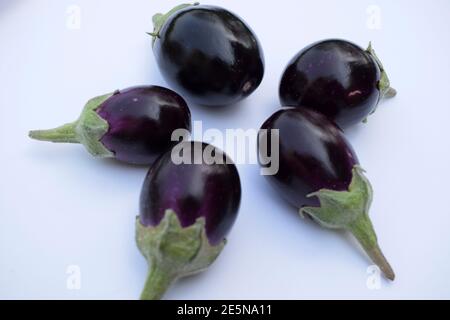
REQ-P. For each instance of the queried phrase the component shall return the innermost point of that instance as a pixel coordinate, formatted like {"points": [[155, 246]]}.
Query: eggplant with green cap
{"points": [[134, 125], [208, 54], [189, 202], [336, 78], [319, 173]]}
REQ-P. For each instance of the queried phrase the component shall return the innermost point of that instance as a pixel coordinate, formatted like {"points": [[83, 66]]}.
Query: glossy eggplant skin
{"points": [[209, 55], [313, 155], [334, 77], [141, 121], [193, 190]]}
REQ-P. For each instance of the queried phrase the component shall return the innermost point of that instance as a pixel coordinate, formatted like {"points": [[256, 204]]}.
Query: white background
{"points": [[60, 207]]}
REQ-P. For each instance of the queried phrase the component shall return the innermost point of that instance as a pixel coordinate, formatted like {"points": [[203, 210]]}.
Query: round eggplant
{"points": [[134, 125], [336, 78], [189, 202], [320, 175], [208, 54]]}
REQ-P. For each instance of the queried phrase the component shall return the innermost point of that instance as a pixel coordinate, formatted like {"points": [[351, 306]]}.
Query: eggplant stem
{"points": [[390, 93], [63, 134], [160, 19], [362, 230], [384, 84], [380, 260], [158, 282]]}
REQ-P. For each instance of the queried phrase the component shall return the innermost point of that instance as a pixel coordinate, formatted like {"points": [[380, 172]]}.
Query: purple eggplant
{"points": [[189, 202], [336, 78], [208, 54], [320, 175], [134, 125]]}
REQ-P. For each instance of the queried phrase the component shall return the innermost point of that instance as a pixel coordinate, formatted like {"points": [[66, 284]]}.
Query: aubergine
{"points": [[319, 173], [189, 203], [133, 125], [336, 78], [208, 54]]}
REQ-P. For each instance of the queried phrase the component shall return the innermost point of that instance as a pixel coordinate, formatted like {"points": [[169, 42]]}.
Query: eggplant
{"points": [[134, 125], [189, 202], [319, 173], [336, 78], [208, 54]]}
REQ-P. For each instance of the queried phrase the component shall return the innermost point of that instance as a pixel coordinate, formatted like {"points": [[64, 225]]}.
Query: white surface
{"points": [[59, 207]]}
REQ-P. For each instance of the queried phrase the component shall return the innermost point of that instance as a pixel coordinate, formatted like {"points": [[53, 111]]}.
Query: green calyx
{"points": [[349, 210], [87, 130], [384, 84], [160, 19], [173, 252]]}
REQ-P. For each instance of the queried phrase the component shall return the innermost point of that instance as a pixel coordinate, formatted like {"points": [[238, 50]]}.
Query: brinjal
{"points": [[319, 174], [336, 78], [189, 202], [134, 125], [208, 54]]}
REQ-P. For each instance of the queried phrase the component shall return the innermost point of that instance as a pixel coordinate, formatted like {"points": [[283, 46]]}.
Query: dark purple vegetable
{"points": [[134, 125], [208, 54], [336, 78], [189, 202], [319, 173]]}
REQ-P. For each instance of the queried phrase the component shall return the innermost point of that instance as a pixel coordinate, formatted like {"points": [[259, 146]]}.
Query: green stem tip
{"points": [[390, 93], [384, 84], [63, 134], [160, 19], [348, 210], [158, 282], [87, 130], [362, 229]]}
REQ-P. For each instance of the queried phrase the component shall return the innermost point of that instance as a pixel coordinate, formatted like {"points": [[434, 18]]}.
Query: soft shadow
{"points": [[6, 5], [341, 235], [66, 153], [221, 110], [268, 191], [353, 131], [113, 163]]}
